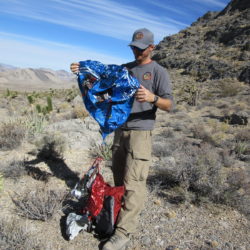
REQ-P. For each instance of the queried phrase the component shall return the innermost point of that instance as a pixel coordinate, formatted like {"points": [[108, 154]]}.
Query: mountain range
{"points": [[29, 78]]}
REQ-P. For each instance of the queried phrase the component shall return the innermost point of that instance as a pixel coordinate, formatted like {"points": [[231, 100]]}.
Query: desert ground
{"points": [[198, 186]]}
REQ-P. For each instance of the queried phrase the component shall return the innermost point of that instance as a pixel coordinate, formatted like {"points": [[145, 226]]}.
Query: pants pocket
{"points": [[141, 145]]}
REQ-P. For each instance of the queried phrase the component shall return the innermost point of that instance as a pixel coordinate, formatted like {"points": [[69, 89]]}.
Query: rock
{"points": [[146, 241], [78, 101], [170, 214], [213, 243], [235, 119], [228, 246], [172, 248], [224, 224], [157, 202], [245, 75]]}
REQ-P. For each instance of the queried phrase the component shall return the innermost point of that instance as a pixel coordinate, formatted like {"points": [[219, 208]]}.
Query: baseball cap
{"points": [[142, 38]]}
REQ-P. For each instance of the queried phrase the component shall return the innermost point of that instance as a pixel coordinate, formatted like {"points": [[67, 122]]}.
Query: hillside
{"points": [[216, 46]]}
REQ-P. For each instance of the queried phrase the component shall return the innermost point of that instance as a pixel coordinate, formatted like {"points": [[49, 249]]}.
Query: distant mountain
{"points": [[4, 67], [216, 46], [41, 78]]}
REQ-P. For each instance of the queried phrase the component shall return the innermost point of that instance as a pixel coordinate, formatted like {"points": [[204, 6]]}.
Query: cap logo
{"points": [[147, 76], [138, 36]]}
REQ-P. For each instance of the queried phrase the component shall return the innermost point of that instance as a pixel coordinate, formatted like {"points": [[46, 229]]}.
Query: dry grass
{"points": [[80, 112], [40, 204], [15, 236]]}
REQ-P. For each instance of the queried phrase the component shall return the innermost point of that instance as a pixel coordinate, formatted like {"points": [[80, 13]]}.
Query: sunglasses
{"points": [[138, 49]]}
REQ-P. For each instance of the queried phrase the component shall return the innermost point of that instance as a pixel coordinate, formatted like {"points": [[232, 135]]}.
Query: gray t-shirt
{"points": [[156, 79]]}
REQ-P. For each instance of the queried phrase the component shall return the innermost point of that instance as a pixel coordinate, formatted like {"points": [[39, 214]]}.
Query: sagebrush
{"points": [[40, 204]]}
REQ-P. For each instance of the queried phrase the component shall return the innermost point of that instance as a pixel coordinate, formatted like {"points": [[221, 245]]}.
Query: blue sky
{"points": [[54, 33]]}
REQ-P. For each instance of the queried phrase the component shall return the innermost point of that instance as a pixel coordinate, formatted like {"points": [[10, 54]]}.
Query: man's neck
{"points": [[146, 61]]}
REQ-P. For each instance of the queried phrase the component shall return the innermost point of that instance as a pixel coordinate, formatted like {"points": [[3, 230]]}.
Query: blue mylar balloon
{"points": [[108, 93]]}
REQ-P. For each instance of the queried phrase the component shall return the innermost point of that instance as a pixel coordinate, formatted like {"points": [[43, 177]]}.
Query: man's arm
{"points": [[144, 95]]}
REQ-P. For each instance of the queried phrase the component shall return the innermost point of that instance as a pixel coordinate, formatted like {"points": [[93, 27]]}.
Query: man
{"points": [[132, 142]]}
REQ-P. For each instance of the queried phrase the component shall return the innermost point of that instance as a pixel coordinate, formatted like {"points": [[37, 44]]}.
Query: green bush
{"points": [[11, 94], [49, 104], [30, 99]]}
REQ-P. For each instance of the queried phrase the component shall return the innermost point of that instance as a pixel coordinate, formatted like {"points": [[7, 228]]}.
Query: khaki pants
{"points": [[130, 166]]}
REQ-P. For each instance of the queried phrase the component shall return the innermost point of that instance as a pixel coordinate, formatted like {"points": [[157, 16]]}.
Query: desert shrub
{"points": [[213, 132], [189, 93], [12, 134], [237, 192], [163, 148], [70, 94], [228, 87], [200, 173], [13, 169], [11, 94], [80, 112], [51, 146], [15, 236], [103, 150], [242, 134], [160, 150], [227, 158], [242, 148], [242, 141], [166, 133], [200, 132], [196, 167], [30, 99], [40, 204], [200, 169]]}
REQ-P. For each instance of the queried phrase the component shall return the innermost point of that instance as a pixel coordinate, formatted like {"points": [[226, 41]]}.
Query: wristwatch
{"points": [[156, 98]]}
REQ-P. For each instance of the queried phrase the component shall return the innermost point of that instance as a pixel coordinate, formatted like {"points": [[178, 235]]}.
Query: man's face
{"points": [[141, 55]]}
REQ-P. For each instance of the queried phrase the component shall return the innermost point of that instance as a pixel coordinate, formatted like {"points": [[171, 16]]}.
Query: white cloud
{"points": [[166, 7], [26, 51], [104, 17], [211, 2]]}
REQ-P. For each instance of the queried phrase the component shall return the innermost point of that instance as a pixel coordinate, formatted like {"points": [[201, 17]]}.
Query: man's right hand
{"points": [[74, 67]]}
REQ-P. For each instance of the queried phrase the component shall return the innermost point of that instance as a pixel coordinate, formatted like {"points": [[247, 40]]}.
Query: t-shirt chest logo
{"points": [[147, 76]]}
